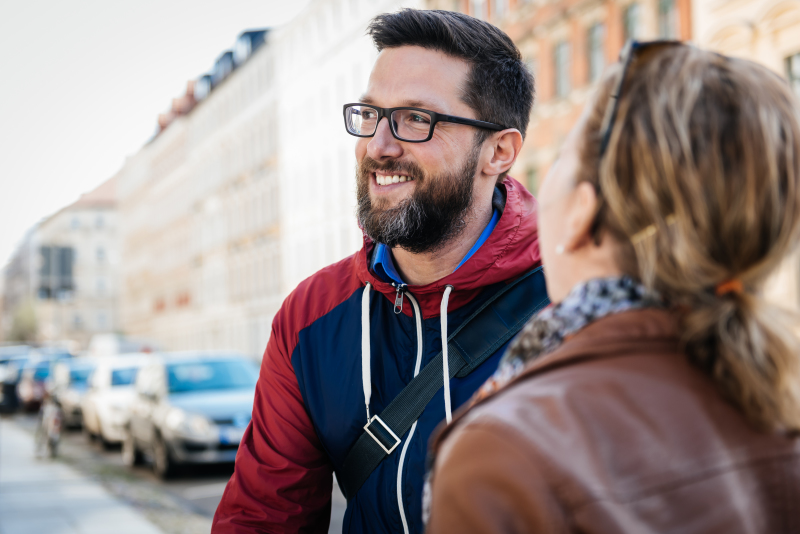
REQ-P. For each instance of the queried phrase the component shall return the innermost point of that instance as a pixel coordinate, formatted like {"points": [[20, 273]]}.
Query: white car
{"points": [[106, 405]]}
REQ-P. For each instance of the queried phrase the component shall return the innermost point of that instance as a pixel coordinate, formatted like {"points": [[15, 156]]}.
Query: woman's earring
{"points": [[559, 249]]}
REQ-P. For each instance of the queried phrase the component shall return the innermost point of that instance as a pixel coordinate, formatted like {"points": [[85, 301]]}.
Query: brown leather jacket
{"points": [[613, 432]]}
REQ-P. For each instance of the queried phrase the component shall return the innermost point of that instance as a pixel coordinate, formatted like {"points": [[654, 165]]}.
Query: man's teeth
{"points": [[396, 179]]}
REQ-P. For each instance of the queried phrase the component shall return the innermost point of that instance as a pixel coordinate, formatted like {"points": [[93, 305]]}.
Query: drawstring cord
{"points": [[366, 377], [445, 363]]}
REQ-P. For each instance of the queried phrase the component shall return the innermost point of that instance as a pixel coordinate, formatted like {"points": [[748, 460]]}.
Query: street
{"points": [[182, 505]]}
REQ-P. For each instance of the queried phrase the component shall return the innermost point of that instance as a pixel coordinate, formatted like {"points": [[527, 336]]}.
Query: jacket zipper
{"points": [[398, 298], [418, 364]]}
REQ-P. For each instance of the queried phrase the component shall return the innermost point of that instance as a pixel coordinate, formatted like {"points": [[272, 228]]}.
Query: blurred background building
{"points": [[62, 280], [567, 45], [248, 185]]}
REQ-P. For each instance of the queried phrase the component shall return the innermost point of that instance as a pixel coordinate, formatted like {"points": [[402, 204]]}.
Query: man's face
{"points": [[430, 202]]}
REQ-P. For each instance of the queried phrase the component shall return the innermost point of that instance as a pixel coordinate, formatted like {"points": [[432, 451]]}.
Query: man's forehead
{"points": [[416, 77]]}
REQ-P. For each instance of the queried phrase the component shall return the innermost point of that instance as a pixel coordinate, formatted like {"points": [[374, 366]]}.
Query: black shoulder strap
{"points": [[478, 337]]}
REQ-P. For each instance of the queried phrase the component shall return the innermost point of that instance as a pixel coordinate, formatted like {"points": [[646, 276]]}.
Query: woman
{"points": [[660, 393]]}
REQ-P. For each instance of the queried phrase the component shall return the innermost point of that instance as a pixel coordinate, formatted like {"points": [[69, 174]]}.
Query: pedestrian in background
{"points": [[661, 392]]}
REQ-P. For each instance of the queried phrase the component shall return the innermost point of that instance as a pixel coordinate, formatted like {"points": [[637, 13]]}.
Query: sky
{"points": [[82, 83]]}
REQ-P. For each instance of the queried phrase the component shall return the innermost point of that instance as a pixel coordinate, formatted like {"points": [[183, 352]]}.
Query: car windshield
{"points": [[123, 377], [205, 375], [42, 372], [78, 377]]}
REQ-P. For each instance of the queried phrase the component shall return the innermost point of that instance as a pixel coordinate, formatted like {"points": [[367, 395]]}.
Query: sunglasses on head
{"points": [[631, 52]]}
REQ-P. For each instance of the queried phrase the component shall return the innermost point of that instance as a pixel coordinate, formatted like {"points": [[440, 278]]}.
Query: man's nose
{"points": [[383, 145]]}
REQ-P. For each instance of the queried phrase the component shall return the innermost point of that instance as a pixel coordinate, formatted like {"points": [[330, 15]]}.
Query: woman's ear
{"points": [[505, 148], [581, 212]]}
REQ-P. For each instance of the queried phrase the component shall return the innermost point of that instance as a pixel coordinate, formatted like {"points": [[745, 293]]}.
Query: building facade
{"points": [[62, 282], [249, 187], [567, 45], [199, 220]]}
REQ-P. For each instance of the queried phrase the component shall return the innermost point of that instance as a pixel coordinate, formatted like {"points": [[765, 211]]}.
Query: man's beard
{"points": [[436, 212]]}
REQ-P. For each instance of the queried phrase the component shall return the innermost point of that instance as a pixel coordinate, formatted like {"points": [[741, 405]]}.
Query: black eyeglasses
{"points": [[629, 53], [413, 125]]}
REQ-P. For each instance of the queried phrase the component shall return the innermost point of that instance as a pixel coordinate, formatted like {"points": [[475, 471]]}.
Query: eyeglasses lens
{"points": [[407, 124], [362, 120], [411, 125]]}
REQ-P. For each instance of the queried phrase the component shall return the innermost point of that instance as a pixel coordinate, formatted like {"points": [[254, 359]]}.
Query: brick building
{"points": [[567, 44]]}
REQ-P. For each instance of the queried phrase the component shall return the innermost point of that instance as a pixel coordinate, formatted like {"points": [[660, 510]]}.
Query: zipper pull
{"points": [[398, 299]]}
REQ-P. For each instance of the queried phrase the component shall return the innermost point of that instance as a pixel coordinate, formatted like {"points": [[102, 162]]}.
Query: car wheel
{"points": [[107, 445], [163, 464], [131, 455], [90, 436]]}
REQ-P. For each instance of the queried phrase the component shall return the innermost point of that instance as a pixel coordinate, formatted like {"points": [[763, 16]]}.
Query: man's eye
{"points": [[368, 115], [416, 117]]}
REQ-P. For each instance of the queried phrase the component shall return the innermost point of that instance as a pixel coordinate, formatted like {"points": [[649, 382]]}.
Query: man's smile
{"points": [[385, 180]]}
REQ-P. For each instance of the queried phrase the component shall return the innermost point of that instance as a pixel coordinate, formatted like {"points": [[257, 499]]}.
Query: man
{"points": [[445, 230]]}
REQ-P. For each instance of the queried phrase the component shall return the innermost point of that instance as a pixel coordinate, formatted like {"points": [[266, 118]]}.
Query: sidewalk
{"points": [[39, 496]]}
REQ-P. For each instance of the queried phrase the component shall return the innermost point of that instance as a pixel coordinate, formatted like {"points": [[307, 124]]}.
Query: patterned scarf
{"points": [[544, 333]]}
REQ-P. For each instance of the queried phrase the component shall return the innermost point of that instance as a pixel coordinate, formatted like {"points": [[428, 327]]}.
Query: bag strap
{"points": [[479, 336]]}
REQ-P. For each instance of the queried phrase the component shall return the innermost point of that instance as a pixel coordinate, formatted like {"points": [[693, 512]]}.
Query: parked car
{"points": [[190, 408], [105, 407], [12, 359], [69, 384]]}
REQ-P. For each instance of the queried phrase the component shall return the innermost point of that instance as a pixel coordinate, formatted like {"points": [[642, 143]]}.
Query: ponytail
{"points": [[747, 346]]}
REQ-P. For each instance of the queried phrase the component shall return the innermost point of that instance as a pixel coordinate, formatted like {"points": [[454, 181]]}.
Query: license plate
{"points": [[229, 435]]}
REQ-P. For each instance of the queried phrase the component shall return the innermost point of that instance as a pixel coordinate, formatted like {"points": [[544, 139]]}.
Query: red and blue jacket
{"points": [[309, 405]]}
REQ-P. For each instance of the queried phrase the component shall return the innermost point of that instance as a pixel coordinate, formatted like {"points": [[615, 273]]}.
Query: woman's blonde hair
{"points": [[700, 186]]}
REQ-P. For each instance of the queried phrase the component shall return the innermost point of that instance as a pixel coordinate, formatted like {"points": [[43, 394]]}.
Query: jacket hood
{"points": [[511, 250]]}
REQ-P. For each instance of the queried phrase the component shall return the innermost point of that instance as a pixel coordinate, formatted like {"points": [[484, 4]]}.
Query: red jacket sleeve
{"points": [[282, 481]]}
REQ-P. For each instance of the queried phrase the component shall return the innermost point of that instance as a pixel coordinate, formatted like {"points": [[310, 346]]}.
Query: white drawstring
{"points": [[445, 364], [366, 378]]}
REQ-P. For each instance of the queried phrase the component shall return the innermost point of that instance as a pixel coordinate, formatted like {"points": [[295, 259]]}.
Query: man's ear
{"points": [[578, 220], [504, 147]]}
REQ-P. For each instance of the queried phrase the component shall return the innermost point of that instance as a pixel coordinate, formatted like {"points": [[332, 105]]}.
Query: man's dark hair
{"points": [[499, 87]]}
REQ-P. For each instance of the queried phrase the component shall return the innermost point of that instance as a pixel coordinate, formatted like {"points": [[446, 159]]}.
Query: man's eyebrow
{"points": [[366, 99], [421, 104]]}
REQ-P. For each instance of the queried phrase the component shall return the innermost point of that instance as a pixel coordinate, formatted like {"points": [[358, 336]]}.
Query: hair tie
{"points": [[734, 285]]}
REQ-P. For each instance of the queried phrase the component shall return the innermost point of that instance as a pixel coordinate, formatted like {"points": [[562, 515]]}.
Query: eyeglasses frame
{"points": [[435, 118]]}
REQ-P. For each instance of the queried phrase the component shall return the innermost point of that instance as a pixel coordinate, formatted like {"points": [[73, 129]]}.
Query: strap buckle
{"points": [[382, 435]]}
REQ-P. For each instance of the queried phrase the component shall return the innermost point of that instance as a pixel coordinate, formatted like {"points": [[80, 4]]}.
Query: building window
{"points": [[562, 66], [479, 9], [667, 19], [76, 223], [77, 322], [101, 255], [596, 39], [793, 72], [101, 287], [499, 8], [102, 321], [99, 222], [631, 20]]}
